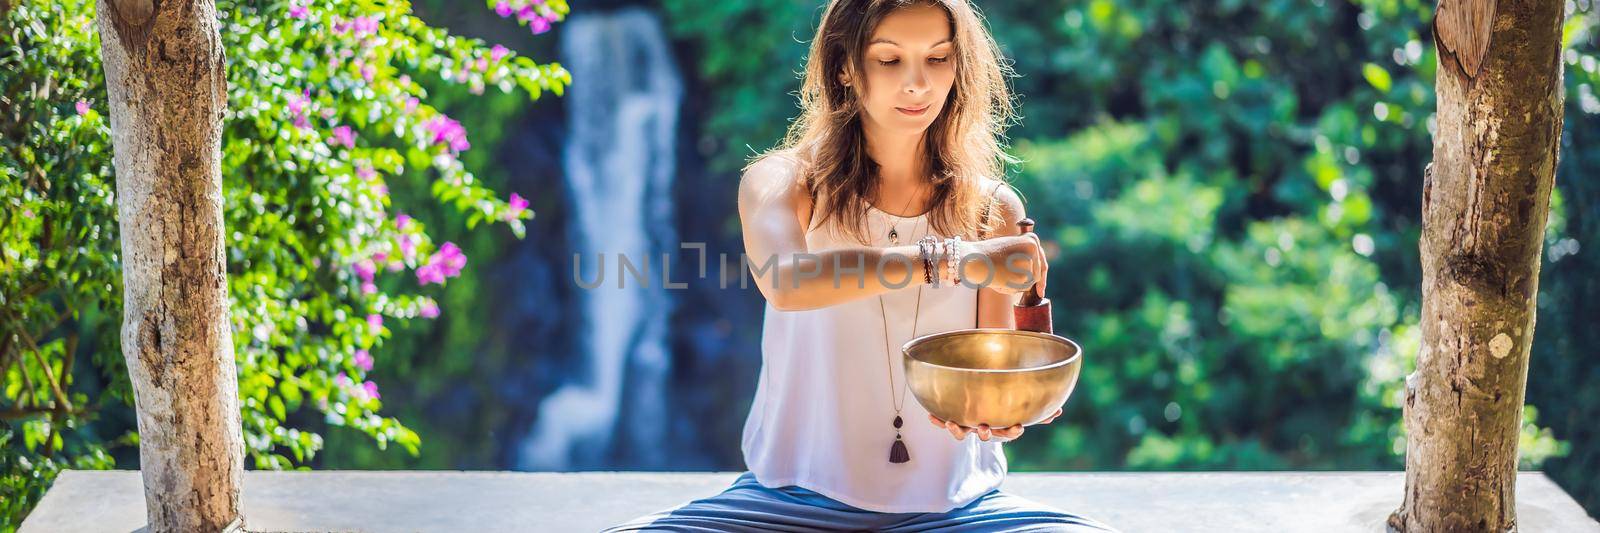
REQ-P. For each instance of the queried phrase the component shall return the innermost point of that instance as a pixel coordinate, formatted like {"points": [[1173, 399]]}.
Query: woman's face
{"points": [[910, 67]]}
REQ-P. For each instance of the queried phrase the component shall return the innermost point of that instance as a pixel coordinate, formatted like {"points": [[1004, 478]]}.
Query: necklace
{"points": [[894, 223], [897, 451]]}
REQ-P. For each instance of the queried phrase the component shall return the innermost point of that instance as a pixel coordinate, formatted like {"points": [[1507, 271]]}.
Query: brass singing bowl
{"points": [[995, 376]]}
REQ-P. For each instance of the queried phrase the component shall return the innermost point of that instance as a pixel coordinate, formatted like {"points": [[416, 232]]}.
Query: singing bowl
{"points": [[995, 376]]}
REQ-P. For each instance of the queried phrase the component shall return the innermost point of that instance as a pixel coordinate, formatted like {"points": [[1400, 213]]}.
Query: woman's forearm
{"points": [[815, 280]]}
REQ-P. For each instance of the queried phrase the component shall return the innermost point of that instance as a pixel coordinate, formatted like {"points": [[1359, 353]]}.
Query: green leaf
{"points": [[276, 403], [1377, 76]]}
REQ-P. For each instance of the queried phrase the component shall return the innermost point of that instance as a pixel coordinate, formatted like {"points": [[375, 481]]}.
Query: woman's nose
{"points": [[916, 80]]}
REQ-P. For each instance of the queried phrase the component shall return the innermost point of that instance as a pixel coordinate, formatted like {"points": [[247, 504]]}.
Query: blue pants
{"points": [[748, 506]]}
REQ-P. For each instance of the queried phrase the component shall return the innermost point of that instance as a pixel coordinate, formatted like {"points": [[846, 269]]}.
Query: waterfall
{"points": [[619, 162]]}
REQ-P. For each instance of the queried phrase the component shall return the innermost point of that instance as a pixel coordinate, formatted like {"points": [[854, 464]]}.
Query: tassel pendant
{"points": [[898, 453]]}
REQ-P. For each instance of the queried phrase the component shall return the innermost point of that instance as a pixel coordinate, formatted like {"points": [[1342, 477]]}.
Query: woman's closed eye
{"points": [[896, 61]]}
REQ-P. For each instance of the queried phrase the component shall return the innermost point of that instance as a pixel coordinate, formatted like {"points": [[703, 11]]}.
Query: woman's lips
{"points": [[914, 112]]}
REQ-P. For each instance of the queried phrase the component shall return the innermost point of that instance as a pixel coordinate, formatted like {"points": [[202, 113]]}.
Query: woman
{"points": [[848, 226]]}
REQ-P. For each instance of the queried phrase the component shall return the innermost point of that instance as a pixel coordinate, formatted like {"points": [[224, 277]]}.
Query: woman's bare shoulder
{"points": [[771, 169], [775, 177], [1008, 203]]}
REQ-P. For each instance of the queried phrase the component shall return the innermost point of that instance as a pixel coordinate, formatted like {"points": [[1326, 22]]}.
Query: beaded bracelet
{"points": [[953, 259], [924, 250], [925, 253]]}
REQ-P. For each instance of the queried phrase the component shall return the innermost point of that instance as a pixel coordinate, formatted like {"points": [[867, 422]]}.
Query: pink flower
{"points": [[369, 288], [526, 13], [365, 172], [371, 389], [450, 258], [503, 9], [498, 52], [83, 107], [411, 104], [445, 263], [429, 310], [380, 257], [518, 205], [401, 221], [345, 136], [367, 71], [364, 25], [341, 379], [375, 321], [298, 12], [539, 25], [482, 65], [364, 270], [408, 247], [298, 104], [447, 131], [429, 273], [363, 360]]}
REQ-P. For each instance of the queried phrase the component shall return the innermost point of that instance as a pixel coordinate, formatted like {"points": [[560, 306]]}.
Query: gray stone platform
{"points": [[504, 501]]}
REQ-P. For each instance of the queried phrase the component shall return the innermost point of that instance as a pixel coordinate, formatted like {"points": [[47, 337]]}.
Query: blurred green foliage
{"points": [[436, 363], [323, 117], [1231, 190]]}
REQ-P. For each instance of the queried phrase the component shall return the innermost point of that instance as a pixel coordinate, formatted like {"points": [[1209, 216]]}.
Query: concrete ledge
{"points": [[516, 501]]}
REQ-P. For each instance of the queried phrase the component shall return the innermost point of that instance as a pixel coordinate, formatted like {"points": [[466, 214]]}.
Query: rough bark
{"points": [[164, 71], [1485, 201]]}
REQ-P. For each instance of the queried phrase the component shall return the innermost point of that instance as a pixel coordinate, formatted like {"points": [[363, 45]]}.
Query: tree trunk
{"points": [[1485, 200], [165, 77]]}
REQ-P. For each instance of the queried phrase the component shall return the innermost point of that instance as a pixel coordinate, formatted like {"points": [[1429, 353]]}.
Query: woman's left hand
{"points": [[984, 432]]}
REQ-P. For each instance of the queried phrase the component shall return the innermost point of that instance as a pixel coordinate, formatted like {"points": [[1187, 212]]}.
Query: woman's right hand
{"points": [[1015, 262]]}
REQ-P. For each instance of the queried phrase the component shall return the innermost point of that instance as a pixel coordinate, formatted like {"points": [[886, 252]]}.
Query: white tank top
{"points": [[822, 417]]}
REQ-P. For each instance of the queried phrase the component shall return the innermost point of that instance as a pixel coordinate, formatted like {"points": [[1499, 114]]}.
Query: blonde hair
{"points": [[964, 143]]}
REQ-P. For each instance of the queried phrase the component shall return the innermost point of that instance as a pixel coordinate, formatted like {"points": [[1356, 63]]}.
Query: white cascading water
{"points": [[622, 115]]}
